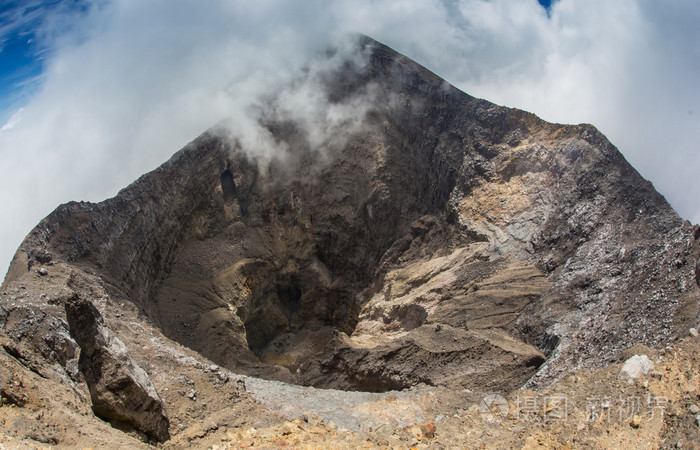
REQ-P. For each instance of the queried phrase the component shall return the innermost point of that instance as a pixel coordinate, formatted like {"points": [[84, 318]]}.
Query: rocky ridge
{"points": [[445, 244]]}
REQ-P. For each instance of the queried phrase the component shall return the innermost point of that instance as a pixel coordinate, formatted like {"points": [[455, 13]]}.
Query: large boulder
{"points": [[121, 391]]}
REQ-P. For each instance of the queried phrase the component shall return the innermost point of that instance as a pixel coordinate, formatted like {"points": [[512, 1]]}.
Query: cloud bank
{"points": [[130, 82]]}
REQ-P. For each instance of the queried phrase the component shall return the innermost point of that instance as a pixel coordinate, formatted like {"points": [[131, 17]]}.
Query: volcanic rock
{"points": [[438, 242], [121, 391], [635, 367]]}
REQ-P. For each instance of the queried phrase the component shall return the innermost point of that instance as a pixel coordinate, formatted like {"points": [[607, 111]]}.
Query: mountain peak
{"points": [[389, 231]]}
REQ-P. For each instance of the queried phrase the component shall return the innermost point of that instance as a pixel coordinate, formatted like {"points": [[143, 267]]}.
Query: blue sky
{"points": [[20, 64], [93, 93], [19, 73], [25, 43]]}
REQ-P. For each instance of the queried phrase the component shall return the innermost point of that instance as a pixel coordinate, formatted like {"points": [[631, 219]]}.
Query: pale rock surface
{"points": [[635, 367]]}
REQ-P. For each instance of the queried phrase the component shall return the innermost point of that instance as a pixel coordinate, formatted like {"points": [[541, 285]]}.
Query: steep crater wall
{"points": [[271, 266]]}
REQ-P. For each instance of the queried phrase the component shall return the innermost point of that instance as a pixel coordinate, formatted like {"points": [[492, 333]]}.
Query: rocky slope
{"points": [[443, 243]]}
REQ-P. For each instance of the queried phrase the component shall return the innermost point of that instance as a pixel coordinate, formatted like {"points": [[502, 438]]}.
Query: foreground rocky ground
{"points": [[211, 407]]}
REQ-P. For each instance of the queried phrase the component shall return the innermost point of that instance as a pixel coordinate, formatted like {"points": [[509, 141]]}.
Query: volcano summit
{"points": [[413, 238]]}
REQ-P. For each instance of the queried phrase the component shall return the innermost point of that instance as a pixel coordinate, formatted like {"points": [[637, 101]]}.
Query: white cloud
{"points": [[133, 81], [13, 120]]}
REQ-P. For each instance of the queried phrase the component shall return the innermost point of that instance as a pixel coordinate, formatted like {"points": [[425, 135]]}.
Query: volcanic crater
{"points": [[434, 239]]}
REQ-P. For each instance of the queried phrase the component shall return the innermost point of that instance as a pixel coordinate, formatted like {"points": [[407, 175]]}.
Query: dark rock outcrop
{"points": [[121, 391]]}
